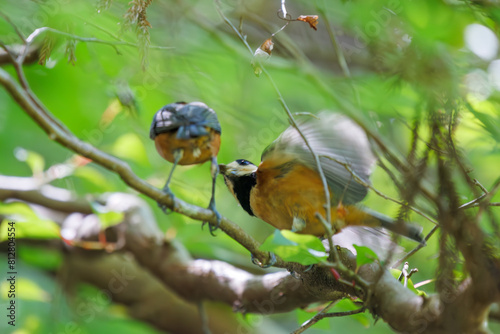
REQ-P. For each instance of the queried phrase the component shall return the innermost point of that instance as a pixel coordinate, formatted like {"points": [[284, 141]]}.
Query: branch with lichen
{"points": [[198, 280]]}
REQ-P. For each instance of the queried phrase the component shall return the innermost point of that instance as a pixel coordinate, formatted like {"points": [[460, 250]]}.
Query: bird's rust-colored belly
{"points": [[299, 194], [196, 150], [278, 199]]}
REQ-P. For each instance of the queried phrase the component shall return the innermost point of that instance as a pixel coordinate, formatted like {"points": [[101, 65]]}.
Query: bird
{"points": [[286, 189], [188, 134]]}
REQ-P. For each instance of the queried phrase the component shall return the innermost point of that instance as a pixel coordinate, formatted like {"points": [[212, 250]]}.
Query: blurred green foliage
{"points": [[405, 58]]}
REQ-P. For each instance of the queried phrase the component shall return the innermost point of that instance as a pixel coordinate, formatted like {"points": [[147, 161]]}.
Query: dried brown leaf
{"points": [[267, 46], [311, 19]]}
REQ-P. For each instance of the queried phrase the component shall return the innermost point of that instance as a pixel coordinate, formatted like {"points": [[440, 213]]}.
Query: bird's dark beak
{"points": [[222, 169]]}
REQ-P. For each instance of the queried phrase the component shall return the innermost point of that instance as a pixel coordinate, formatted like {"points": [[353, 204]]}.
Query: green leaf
{"points": [[26, 223], [129, 146], [44, 258], [26, 289], [364, 255], [290, 246], [34, 160], [107, 218], [90, 173], [110, 218]]}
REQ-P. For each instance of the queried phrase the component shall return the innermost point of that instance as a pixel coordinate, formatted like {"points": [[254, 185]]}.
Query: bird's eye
{"points": [[243, 162]]}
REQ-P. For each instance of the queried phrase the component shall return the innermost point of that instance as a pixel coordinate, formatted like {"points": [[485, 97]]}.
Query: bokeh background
{"points": [[385, 62]]}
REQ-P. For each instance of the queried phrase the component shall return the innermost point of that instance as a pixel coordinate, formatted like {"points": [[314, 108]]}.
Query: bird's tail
{"points": [[409, 230]]}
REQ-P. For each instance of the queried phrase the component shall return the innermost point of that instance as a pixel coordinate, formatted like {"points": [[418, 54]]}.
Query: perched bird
{"points": [[188, 134], [286, 189]]}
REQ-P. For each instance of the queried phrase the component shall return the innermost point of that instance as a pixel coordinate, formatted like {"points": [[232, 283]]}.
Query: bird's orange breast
{"points": [[285, 191], [196, 150]]}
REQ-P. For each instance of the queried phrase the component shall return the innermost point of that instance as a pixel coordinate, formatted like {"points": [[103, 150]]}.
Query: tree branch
{"points": [[8, 57], [123, 170], [197, 280], [127, 283], [28, 190]]}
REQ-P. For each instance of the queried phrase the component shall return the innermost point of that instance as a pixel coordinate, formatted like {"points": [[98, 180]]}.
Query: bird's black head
{"points": [[243, 162], [240, 178]]}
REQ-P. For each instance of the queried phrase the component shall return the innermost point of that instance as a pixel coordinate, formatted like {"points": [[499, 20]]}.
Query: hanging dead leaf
{"points": [[267, 46], [262, 54], [311, 19]]}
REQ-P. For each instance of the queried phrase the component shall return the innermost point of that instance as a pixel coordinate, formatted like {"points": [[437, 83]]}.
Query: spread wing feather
{"points": [[189, 120], [336, 136]]}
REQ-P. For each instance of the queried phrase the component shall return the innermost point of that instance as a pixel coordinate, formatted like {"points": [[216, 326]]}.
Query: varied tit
{"points": [[286, 189], [188, 134]]}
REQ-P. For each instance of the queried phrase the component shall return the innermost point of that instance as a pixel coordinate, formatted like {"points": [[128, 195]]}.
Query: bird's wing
{"points": [[333, 135], [200, 114], [189, 120], [165, 119]]}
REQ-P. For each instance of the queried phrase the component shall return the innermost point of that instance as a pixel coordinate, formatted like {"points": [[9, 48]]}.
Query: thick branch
{"points": [[16, 51], [218, 281], [120, 278], [28, 190], [197, 280]]}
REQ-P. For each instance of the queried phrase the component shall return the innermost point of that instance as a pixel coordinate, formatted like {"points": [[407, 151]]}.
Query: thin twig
{"points": [[475, 201], [204, 318], [367, 185], [90, 23], [343, 314], [338, 50], [328, 230], [320, 316], [482, 206], [243, 39], [18, 62], [406, 274], [283, 8], [326, 190], [388, 172], [113, 44], [14, 26], [313, 320], [305, 113], [290, 117], [419, 284], [280, 29], [416, 249]]}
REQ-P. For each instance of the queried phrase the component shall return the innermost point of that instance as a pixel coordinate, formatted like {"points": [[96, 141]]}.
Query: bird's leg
{"points": [[178, 154], [214, 170], [272, 261]]}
